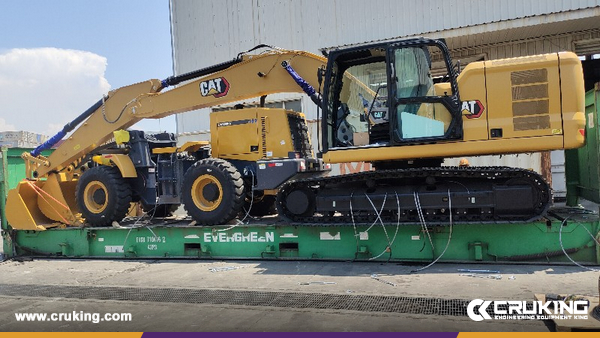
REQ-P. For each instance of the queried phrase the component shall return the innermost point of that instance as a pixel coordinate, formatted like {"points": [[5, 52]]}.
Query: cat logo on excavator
{"points": [[218, 87], [472, 109]]}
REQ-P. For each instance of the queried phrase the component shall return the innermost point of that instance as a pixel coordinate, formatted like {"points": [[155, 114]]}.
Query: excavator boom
{"points": [[249, 76]]}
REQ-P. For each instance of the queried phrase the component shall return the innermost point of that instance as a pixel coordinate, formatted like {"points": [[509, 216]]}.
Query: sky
{"points": [[58, 57]]}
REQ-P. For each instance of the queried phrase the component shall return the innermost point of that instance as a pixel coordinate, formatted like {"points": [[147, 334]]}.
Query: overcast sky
{"points": [[57, 58]]}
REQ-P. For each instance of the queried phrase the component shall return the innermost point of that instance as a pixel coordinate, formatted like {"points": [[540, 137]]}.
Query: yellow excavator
{"points": [[400, 104]]}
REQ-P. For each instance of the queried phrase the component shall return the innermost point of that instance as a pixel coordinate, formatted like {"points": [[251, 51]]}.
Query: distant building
{"points": [[21, 139]]}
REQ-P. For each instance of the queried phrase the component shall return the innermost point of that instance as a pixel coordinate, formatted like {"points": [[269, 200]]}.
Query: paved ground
{"points": [[519, 282]]}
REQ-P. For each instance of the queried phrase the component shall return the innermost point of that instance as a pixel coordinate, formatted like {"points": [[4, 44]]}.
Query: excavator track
{"points": [[437, 195]]}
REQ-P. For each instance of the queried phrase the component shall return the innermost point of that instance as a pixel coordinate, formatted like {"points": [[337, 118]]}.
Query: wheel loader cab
{"points": [[386, 95]]}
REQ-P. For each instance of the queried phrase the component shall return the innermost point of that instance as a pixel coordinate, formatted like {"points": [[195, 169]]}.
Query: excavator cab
{"points": [[390, 94]]}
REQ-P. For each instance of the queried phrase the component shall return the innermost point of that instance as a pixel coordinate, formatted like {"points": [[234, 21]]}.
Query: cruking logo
{"points": [[527, 310]]}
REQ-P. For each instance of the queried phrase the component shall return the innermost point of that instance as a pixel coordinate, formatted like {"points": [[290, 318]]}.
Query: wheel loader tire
{"points": [[213, 191], [163, 210], [103, 195]]}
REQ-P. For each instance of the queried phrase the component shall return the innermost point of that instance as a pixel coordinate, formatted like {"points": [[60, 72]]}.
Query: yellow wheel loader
{"points": [[400, 104]]}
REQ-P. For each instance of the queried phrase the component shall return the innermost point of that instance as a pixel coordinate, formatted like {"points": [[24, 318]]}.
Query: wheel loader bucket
{"points": [[38, 205]]}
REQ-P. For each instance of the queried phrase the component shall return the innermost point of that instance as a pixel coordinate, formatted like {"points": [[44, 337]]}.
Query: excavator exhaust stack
{"points": [[38, 205]]}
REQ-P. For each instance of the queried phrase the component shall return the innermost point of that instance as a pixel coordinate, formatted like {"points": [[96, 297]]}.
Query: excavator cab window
{"points": [[357, 97], [391, 94], [423, 110]]}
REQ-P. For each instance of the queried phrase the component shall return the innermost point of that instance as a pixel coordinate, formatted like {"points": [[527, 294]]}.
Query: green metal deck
{"points": [[518, 242]]}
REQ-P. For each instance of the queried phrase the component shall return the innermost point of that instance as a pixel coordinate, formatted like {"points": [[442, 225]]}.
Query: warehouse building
{"points": [[21, 139], [206, 33]]}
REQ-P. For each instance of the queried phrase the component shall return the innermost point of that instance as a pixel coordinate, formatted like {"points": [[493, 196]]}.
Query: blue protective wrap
{"points": [[308, 89], [48, 144]]}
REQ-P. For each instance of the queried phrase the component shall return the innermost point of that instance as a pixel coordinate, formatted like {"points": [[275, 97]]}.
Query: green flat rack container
{"points": [[15, 166], [582, 165], [539, 242], [12, 171]]}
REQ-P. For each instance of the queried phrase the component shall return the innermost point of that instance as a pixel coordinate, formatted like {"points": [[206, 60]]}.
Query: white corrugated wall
{"points": [[217, 30]]}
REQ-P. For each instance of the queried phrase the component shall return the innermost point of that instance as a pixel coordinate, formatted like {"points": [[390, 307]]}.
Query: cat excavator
{"points": [[402, 105]]}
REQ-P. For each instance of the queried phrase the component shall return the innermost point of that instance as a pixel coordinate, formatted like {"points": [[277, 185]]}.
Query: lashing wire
{"points": [[134, 226], [390, 242], [227, 229], [143, 226], [251, 204], [449, 237], [422, 218], [240, 222], [378, 213], [356, 234], [139, 218], [565, 251], [39, 191], [397, 222], [589, 233]]}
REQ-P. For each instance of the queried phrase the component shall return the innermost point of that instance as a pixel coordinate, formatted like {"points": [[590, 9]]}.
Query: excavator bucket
{"points": [[38, 205]]}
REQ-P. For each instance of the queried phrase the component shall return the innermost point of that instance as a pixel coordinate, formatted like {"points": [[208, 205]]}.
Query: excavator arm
{"points": [[49, 193], [247, 76]]}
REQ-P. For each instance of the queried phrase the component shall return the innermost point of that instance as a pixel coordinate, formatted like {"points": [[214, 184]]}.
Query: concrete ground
{"points": [[519, 282]]}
